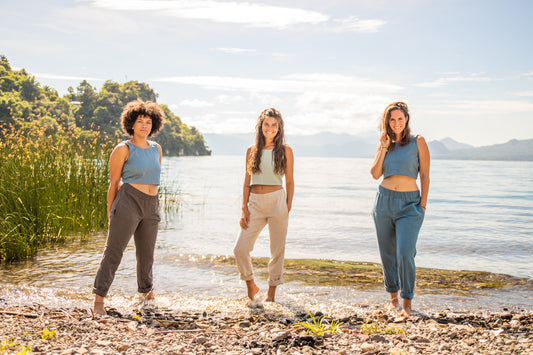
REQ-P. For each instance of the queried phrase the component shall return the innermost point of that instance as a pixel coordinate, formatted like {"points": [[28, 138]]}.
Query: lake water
{"points": [[479, 217]]}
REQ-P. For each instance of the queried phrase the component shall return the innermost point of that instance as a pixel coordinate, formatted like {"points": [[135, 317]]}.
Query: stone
{"points": [[367, 347], [122, 347]]}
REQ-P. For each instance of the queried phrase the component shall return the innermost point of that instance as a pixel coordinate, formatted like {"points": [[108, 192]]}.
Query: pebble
{"points": [[261, 332]]}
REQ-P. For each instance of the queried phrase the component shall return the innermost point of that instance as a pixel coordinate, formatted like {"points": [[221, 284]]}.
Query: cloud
{"points": [[528, 74], [96, 20], [195, 103], [64, 77], [293, 83], [354, 24], [524, 93], [245, 13], [445, 81], [479, 108], [236, 50]]}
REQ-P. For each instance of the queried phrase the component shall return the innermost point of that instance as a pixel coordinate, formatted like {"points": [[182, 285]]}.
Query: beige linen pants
{"points": [[271, 209]]}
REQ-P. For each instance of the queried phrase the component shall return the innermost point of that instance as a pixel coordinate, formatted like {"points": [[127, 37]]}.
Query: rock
{"points": [[200, 340], [281, 336], [378, 338], [122, 347], [445, 347], [245, 324], [367, 347]]}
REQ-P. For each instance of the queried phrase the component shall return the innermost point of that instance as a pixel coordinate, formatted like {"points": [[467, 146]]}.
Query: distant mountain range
{"points": [[345, 145]]}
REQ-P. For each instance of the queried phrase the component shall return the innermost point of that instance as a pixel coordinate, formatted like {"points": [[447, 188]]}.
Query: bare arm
{"points": [[116, 162], [424, 160], [377, 166], [289, 176], [245, 218]]}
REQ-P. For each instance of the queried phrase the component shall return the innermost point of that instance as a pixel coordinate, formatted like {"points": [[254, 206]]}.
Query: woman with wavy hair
{"points": [[399, 207], [264, 200]]}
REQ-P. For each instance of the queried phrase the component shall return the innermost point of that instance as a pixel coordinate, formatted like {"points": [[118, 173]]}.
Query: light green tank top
{"points": [[267, 175]]}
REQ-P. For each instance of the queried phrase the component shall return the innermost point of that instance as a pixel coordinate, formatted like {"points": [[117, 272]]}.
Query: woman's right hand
{"points": [[245, 218], [384, 140]]}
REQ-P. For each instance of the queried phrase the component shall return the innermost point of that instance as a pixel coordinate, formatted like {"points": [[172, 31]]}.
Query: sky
{"points": [[464, 67]]}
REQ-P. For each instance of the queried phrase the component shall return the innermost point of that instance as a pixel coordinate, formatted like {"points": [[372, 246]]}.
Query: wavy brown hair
{"points": [[385, 126], [136, 108], [280, 162]]}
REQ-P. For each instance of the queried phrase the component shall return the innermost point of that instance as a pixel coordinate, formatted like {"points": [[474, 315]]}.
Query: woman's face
{"points": [[270, 128], [142, 126], [397, 122]]}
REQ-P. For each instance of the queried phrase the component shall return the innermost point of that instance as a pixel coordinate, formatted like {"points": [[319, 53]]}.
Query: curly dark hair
{"points": [[280, 161], [137, 108]]}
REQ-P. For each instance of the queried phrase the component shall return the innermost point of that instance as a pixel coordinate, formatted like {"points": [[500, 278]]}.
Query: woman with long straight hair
{"points": [[265, 202], [400, 206]]}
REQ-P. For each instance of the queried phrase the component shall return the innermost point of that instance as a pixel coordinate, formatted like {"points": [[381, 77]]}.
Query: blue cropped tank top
{"points": [[403, 160], [142, 165], [266, 176]]}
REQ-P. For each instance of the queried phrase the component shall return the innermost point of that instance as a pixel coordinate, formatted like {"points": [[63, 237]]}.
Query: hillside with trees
{"points": [[25, 104]]}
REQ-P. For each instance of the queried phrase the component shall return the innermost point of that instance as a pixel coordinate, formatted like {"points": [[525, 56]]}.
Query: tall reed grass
{"points": [[51, 186], [54, 186]]}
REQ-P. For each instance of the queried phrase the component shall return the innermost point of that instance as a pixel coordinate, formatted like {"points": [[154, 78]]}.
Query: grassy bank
{"points": [[51, 186]]}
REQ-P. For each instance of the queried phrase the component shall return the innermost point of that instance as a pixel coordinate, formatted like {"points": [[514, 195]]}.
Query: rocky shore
{"points": [[368, 329]]}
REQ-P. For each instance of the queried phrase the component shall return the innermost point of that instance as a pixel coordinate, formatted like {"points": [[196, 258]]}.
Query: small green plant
{"points": [[320, 326], [48, 334], [24, 351], [10, 344], [7, 344], [377, 328]]}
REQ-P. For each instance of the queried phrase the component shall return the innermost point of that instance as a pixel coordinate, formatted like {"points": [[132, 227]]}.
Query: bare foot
{"points": [[149, 296], [98, 308], [252, 289], [394, 303], [406, 311], [271, 294]]}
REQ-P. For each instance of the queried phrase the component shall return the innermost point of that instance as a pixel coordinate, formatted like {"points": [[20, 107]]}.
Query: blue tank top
{"points": [[142, 165], [266, 176], [403, 160]]}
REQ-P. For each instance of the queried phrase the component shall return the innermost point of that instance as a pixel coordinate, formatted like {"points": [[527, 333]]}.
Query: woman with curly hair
{"points": [[264, 200], [132, 208], [400, 206]]}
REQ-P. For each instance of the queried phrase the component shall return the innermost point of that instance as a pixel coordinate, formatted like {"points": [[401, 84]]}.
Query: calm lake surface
{"points": [[479, 217]]}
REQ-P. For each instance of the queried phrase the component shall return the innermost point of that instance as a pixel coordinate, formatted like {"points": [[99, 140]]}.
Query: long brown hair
{"points": [[385, 126], [280, 162]]}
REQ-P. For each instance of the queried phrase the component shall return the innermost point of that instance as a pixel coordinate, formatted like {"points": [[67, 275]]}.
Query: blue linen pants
{"points": [[398, 218]]}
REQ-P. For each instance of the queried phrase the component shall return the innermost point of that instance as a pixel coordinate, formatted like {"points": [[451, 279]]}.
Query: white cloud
{"points": [[64, 77], [524, 93], [354, 24], [245, 13], [293, 83], [444, 81], [478, 108], [528, 74], [236, 50], [195, 103], [96, 20]]}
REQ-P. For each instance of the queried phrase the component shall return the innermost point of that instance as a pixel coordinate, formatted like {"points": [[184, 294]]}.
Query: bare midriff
{"points": [[147, 189], [400, 183], [264, 189]]}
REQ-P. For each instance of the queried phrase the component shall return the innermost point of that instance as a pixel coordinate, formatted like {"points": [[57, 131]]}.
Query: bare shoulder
{"points": [[420, 140], [121, 148], [288, 149]]}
